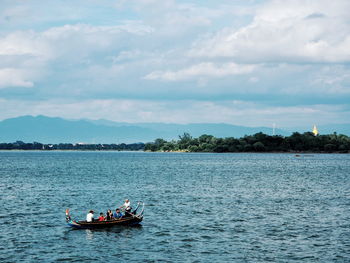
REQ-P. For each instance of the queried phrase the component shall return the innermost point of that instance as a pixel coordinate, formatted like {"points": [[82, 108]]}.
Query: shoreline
{"points": [[184, 152]]}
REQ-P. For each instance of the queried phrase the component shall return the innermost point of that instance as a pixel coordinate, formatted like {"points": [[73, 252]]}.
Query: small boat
{"points": [[133, 218]]}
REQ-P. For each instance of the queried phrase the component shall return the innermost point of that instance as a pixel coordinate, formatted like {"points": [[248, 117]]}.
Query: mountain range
{"points": [[58, 130]]}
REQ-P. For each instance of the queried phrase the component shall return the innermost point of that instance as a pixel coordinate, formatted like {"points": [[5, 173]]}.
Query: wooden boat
{"points": [[134, 218]]}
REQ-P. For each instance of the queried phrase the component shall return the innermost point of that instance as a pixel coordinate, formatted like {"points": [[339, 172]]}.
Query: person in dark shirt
{"points": [[117, 214], [109, 215]]}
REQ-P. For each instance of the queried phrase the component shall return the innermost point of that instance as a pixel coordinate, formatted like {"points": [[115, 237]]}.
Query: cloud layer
{"points": [[160, 60]]}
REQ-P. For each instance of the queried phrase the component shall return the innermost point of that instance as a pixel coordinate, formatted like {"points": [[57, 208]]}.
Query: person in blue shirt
{"points": [[117, 214]]}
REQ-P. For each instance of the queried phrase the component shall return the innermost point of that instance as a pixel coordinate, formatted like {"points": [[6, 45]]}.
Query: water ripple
{"points": [[199, 207]]}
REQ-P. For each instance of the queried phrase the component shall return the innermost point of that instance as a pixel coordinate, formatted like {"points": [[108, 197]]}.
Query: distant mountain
{"points": [[56, 130], [170, 131]]}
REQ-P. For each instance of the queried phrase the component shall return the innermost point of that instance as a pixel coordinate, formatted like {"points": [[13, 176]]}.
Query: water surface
{"points": [[200, 207]]}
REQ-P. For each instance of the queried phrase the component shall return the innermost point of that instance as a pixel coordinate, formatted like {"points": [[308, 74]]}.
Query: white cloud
{"points": [[285, 31], [331, 79], [10, 77], [27, 56], [202, 70], [24, 43], [174, 18], [68, 39]]}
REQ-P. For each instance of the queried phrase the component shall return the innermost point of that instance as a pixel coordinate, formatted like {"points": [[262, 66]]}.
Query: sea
{"points": [[199, 207]]}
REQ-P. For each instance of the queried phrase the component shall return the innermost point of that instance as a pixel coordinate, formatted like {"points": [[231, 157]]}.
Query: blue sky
{"points": [[243, 62]]}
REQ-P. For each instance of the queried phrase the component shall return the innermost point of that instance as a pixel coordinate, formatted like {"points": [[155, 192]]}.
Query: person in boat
{"points": [[117, 214], [90, 216], [109, 215], [101, 218], [127, 208]]}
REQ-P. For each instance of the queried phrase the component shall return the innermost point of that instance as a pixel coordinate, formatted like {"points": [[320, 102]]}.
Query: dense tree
{"points": [[258, 142], [259, 147], [184, 141]]}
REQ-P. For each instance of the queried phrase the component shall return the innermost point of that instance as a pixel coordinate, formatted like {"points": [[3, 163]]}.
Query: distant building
{"points": [[315, 131]]}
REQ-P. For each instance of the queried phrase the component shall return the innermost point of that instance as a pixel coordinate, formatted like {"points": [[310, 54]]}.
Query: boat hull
{"points": [[127, 221]]}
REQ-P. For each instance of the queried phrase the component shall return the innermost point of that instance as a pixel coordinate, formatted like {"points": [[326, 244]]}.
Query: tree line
{"points": [[19, 145], [259, 142]]}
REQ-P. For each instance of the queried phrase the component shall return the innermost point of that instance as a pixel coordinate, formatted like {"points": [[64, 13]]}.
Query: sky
{"points": [[242, 62]]}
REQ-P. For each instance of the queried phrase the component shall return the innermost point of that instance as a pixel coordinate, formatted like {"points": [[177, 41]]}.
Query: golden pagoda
{"points": [[315, 131]]}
